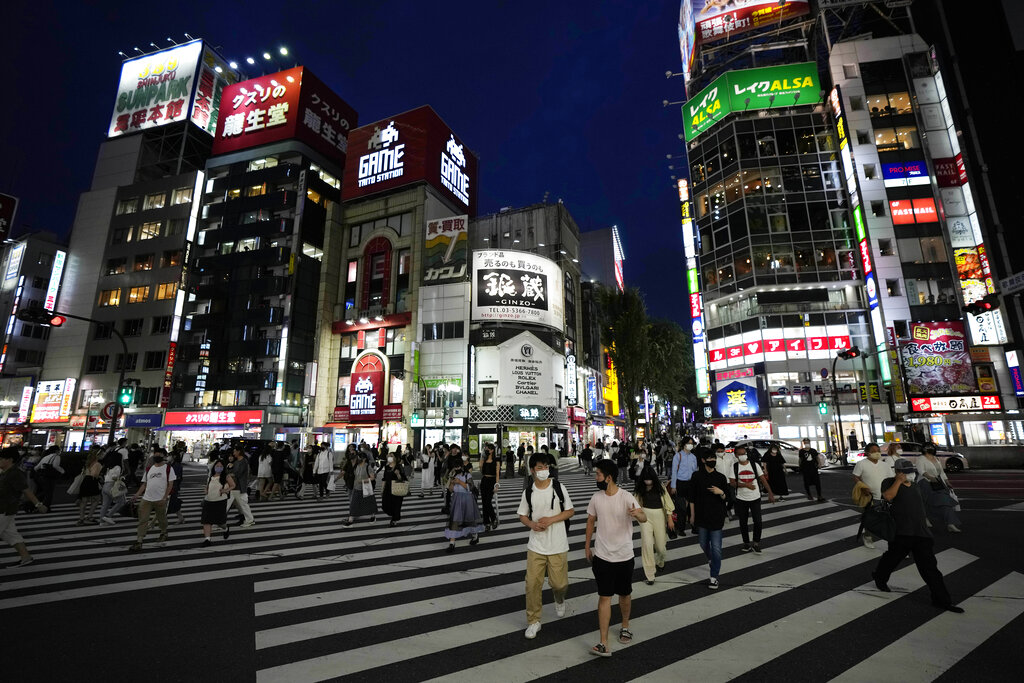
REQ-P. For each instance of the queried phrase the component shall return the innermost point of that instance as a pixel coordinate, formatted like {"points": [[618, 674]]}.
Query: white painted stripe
{"points": [[720, 662], [930, 650], [361, 659]]}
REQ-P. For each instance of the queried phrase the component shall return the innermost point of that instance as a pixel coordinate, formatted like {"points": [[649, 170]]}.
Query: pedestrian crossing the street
{"points": [[381, 603]]}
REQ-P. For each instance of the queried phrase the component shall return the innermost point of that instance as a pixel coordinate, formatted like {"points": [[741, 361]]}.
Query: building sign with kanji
{"points": [[518, 286], [446, 250], [290, 104], [740, 397], [214, 417]]}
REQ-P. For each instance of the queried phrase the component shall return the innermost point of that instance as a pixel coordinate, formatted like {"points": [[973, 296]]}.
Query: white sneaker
{"points": [[868, 543], [532, 630], [954, 528], [246, 525], [559, 609], [108, 520]]}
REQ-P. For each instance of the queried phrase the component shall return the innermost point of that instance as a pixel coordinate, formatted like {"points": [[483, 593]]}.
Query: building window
{"points": [[850, 70], [137, 295], [885, 248], [97, 364], [166, 290], [91, 398], [143, 262], [892, 287], [452, 330], [870, 171], [154, 360], [170, 259], [175, 226], [110, 297], [487, 396], [877, 208], [154, 201], [863, 137], [260, 164], [353, 236], [35, 331], [130, 365], [148, 231], [161, 324], [395, 344], [349, 346], [127, 206], [121, 236], [147, 396], [103, 331], [256, 190], [183, 195], [133, 327], [116, 266], [856, 103]]}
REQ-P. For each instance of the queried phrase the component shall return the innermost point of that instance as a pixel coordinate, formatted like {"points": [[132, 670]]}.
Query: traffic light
{"points": [[983, 305], [822, 408], [41, 316], [126, 394], [849, 353]]}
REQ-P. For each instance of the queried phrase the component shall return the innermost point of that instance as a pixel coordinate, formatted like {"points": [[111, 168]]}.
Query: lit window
{"points": [[234, 194], [260, 164], [353, 269], [143, 262], [183, 195], [166, 290], [138, 294], [154, 201], [110, 297], [256, 190], [128, 206], [148, 231], [116, 266], [171, 258]]}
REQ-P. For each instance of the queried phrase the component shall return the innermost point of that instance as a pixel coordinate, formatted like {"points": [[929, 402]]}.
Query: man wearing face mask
{"points": [[707, 510], [872, 471], [155, 489], [543, 509], [684, 464], [723, 465], [745, 478], [912, 536]]}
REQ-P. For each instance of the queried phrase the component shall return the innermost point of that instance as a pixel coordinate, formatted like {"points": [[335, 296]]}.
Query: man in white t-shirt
{"points": [[872, 471], [613, 511], [544, 512], [157, 484], [745, 477]]}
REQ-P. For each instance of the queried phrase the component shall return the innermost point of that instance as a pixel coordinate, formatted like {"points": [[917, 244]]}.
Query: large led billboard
{"points": [[517, 286], [936, 359]]}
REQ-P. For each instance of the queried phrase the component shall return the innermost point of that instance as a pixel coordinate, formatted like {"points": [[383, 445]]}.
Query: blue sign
{"points": [[1018, 381], [739, 398], [906, 169], [150, 420], [871, 285], [592, 394]]}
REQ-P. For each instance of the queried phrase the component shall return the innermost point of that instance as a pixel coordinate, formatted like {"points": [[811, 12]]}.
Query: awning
{"points": [[349, 425], [205, 428]]}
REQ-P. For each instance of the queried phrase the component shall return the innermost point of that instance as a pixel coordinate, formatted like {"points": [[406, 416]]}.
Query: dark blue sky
{"points": [[559, 97]]}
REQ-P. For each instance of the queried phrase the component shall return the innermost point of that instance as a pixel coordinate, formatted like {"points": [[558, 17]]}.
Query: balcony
{"points": [[275, 174], [270, 315], [276, 228]]}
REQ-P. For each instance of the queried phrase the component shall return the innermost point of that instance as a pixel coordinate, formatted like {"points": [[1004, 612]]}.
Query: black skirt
{"points": [[215, 512]]}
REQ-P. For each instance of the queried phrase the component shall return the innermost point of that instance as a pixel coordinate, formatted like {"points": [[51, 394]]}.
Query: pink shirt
{"points": [[614, 535]]}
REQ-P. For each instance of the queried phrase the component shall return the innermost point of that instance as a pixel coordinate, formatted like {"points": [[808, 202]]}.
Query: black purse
{"points": [[878, 520]]}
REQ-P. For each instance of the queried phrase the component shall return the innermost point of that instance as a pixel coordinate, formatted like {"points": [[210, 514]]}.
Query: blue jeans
{"points": [[711, 543]]}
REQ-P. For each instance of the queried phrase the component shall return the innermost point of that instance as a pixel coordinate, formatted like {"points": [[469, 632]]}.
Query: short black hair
{"points": [[11, 453], [608, 469], [872, 445], [538, 458]]}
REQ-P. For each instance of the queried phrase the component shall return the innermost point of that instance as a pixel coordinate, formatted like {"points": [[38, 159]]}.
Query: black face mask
{"points": [[602, 485], [710, 462]]}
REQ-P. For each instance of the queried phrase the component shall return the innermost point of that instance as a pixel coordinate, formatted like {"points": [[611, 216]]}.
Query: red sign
{"points": [[865, 255], [291, 104], [408, 148], [393, 411], [717, 355], [752, 348], [908, 211], [735, 352], [341, 414], [946, 404], [726, 375], [717, 20], [366, 396], [796, 345], [695, 305], [214, 417], [950, 171], [165, 392], [839, 343], [774, 346]]}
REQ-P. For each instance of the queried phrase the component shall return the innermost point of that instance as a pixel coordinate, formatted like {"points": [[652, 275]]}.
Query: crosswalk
{"points": [[374, 602]]}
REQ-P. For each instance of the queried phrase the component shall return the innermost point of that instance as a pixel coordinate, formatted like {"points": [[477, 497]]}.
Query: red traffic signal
{"points": [[983, 305], [56, 320], [851, 352], [41, 316]]}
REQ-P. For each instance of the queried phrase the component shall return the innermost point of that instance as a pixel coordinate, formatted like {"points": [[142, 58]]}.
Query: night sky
{"points": [[556, 97]]}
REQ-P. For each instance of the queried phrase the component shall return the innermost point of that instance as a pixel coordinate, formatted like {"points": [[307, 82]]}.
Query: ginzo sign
{"points": [[517, 286], [408, 148]]}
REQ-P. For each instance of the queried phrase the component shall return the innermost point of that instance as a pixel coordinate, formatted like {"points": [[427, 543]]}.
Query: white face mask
{"points": [[465, 458], [742, 458], [390, 460], [688, 447], [911, 476], [899, 451], [649, 482], [542, 474]]}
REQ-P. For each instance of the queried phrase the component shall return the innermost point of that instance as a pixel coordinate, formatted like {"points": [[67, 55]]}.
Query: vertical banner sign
{"points": [[165, 391], [53, 287], [878, 332], [691, 245], [570, 379], [592, 394], [1015, 374], [446, 252]]}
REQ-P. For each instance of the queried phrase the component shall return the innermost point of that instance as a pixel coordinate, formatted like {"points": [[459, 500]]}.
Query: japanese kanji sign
{"points": [[717, 20], [937, 360], [291, 104], [516, 285], [740, 397], [155, 89], [446, 250]]}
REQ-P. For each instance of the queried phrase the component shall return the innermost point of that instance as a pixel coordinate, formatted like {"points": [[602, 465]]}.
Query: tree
{"points": [[625, 331], [671, 368]]}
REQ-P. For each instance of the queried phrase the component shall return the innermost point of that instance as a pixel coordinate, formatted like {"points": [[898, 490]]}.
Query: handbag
{"points": [[878, 520], [400, 488], [76, 484], [367, 488], [118, 489], [937, 485]]}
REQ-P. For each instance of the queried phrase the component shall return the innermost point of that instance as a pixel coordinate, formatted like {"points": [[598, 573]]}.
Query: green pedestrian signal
{"points": [[823, 408], [126, 395]]}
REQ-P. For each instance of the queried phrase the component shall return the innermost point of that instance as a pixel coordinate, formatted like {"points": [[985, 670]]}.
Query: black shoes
{"points": [[949, 608], [881, 585]]}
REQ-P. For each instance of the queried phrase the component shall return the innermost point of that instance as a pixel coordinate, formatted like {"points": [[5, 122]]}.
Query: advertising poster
{"points": [[517, 286], [739, 397], [446, 252], [155, 89], [936, 360], [971, 274], [720, 19], [526, 373]]}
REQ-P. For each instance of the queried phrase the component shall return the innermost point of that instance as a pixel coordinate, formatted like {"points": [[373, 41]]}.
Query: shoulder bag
{"points": [[400, 488], [76, 484], [118, 489]]}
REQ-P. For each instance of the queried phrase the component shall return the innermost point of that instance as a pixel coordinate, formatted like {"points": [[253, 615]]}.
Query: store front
{"points": [[201, 429]]}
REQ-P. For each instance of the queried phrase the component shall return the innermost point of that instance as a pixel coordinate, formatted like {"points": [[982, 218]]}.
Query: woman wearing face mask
{"points": [[360, 503], [658, 507], [464, 515], [490, 470], [215, 507], [775, 465], [390, 504], [935, 489]]}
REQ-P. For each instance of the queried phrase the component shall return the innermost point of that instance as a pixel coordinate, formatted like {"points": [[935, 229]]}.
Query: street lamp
{"points": [[848, 354]]}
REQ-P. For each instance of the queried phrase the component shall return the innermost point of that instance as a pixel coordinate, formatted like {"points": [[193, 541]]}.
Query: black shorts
{"points": [[613, 578], [215, 512]]}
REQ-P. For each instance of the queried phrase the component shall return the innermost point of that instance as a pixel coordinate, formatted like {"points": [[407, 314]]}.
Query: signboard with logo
{"points": [[14, 261], [392, 411], [408, 148], [517, 286], [592, 394], [53, 287], [905, 173], [750, 89], [148, 420], [290, 104], [1016, 376], [366, 398], [936, 359], [739, 397], [716, 20], [953, 404], [525, 372], [910, 211], [53, 400], [446, 250], [570, 379], [527, 413], [8, 208], [950, 171], [213, 418], [214, 75], [155, 89]]}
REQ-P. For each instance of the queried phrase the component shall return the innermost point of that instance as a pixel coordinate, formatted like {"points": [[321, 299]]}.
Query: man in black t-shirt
{"points": [[912, 536], [707, 510], [808, 458]]}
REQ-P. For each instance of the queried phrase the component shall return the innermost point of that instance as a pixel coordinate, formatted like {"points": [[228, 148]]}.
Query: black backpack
{"points": [[561, 501]]}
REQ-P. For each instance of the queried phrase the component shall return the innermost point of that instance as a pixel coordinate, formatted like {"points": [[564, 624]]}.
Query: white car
{"points": [[951, 460], [788, 450]]}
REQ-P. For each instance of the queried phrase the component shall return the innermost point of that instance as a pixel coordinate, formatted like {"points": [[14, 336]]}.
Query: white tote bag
{"points": [[367, 488]]}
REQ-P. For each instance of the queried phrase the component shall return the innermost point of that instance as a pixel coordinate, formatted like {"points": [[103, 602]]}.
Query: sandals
{"points": [[625, 636], [600, 650]]}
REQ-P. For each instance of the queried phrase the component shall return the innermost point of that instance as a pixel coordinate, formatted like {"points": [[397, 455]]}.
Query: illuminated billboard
{"points": [[739, 397], [936, 359], [910, 211], [53, 400], [446, 250], [517, 286], [53, 287]]}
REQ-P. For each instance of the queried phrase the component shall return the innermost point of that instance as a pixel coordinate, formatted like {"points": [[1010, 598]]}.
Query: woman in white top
{"points": [[265, 475], [935, 489], [113, 500], [322, 468], [215, 506], [428, 483]]}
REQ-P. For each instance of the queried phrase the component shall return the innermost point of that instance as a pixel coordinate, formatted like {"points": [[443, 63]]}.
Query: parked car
{"points": [[788, 450], [951, 460]]}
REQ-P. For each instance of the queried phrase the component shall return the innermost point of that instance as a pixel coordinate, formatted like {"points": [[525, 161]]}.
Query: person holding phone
{"points": [[707, 510]]}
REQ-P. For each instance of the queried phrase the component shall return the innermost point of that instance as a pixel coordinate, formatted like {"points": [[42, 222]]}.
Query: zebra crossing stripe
{"points": [[930, 650], [362, 658], [793, 630]]}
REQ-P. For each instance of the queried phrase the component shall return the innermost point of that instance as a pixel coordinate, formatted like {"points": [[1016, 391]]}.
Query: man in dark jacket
{"points": [[707, 510]]}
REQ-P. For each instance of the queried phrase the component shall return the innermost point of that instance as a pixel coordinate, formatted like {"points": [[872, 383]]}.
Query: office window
{"points": [[863, 137], [154, 360], [183, 195], [870, 171], [175, 226], [38, 282], [116, 266], [452, 330], [233, 194], [137, 295], [110, 297], [121, 235], [129, 365], [147, 396], [127, 206], [35, 331], [850, 70], [166, 290], [892, 287], [170, 258], [487, 396], [885, 248], [256, 190], [877, 208], [97, 364], [143, 262], [133, 327], [856, 103], [161, 324], [260, 164], [103, 331], [148, 231], [353, 235], [154, 201]]}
